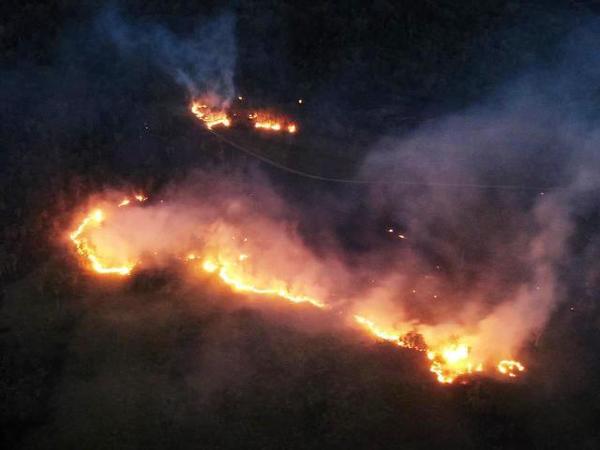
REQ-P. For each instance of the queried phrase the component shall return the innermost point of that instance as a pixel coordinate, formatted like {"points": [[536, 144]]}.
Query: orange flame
{"points": [[452, 361], [510, 367], [210, 116], [449, 360], [239, 283], [87, 250], [204, 109], [379, 332], [264, 121]]}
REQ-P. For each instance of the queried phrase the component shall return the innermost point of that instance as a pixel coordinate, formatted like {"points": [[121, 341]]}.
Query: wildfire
{"points": [[259, 120], [449, 360], [88, 251], [264, 121], [375, 330], [407, 340], [239, 283], [85, 249], [510, 367], [212, 117], [126, 201]]}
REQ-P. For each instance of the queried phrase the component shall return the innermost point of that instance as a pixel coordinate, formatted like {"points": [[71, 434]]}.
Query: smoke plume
{"points": [[480, 210], [202, 61]]}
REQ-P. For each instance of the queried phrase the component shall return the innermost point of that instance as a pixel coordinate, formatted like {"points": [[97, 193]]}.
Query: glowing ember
{"points": [[211, 117], [510, 367]]}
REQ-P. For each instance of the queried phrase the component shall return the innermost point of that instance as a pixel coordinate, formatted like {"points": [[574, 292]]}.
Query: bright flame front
{"points": [[510, 367], [240, 282], [211, 117], [449, 359], [87, 250], [452, 361]]}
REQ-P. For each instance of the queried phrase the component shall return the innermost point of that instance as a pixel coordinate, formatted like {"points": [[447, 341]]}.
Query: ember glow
{"points": [[228, 256]]}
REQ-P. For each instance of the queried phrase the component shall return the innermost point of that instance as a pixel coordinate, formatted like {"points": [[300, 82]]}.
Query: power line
{"points": [[313, 176]]}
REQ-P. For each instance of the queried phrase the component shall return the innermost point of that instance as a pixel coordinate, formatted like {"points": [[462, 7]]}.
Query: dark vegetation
{"points": [[137, 366]]}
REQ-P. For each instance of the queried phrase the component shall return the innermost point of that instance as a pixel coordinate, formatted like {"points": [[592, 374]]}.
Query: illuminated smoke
{"points": [[210, 109], [487, 239], [258, 253]]}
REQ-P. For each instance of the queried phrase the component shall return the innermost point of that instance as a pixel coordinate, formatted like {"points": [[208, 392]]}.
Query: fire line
{"points": [[213, 116], [448, 361]]}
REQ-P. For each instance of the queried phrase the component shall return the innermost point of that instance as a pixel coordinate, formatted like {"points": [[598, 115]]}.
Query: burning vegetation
{"points": [[213, 114], [228, 255]]}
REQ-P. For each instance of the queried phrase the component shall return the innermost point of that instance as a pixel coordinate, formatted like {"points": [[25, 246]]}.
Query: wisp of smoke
{"points": [[202, 62]]}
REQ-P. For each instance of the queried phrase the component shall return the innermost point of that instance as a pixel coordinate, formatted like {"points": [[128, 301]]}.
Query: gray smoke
{"points": [[490, 196], [203, 61]]}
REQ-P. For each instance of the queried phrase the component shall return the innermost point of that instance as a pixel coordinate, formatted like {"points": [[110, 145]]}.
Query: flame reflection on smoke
{"points": [[450, 357]]}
